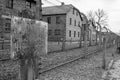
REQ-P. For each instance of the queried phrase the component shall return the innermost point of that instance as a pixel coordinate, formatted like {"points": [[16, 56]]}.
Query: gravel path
{"points": [[61, 57], [83, 69]]}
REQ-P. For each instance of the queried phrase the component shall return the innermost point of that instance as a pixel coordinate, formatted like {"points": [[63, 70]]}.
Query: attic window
{"points": [[76, 13], [73, 11], [57, 20]]}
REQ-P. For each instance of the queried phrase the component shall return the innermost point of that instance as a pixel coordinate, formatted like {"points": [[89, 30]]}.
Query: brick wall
{"points": [[53, 26], [18, 6]]}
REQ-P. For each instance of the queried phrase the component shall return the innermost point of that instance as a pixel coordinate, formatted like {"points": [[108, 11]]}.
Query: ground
{"points": [[83, 69], [88, 68], [113, 70]]}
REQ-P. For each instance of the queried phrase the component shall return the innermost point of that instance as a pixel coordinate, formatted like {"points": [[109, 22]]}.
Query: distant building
{"points": [[85, 25], [63, 19], [92, 33]]}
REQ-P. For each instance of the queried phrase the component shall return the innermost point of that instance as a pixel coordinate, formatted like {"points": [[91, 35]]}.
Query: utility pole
{"points": [[38, 9], [63, 22], [64, 38], [97, 35], [80, 36], [100, 36], [105, 46], [85, 37], [38, 17]]}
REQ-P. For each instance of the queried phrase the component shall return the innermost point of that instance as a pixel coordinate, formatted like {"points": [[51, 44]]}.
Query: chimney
{"points": [[62, 3]]}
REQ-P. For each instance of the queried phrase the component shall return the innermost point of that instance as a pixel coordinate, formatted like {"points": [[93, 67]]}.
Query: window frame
{"points": [[78, 34], [76, 13], [7, 25], [9, 4], [74, 22], [70, 33], [49, 20], [57, 32], [73, 11], [57, 19], [70, 21], [49, 32], [74, 33]]}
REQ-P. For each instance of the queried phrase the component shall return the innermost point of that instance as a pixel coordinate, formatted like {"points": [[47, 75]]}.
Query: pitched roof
{"points": [[62, 9]]}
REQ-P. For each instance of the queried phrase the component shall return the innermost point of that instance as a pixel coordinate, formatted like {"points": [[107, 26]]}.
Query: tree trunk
{"points": [[38, 10]]}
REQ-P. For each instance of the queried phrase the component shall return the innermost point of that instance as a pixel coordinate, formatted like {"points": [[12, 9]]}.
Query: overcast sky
{"points": [[112, 8]]}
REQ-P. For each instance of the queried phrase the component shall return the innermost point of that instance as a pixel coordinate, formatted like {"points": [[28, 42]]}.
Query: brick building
{"points": [[21, 8], [62, 19]]}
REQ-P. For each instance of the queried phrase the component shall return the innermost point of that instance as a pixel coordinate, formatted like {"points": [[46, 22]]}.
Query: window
{"points": [[73, 11], [9, 4], [74, 22], [78, 23], [49, 20], [7, 27], [57, 32], [84, 26], [49, 32], [74, 33], [78, 34], [28, 4], [76, 13], [69, 33], [57, 20], [70, 21]]}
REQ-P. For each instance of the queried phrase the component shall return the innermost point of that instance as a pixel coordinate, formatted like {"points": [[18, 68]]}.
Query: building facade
{"points": [[63, 20]]}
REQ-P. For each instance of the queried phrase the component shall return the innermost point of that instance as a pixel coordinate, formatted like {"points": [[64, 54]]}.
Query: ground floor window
{"points": [[74, 33], [69, 33], [57, 32], [49, 32], [78, 34], [5, 34]]}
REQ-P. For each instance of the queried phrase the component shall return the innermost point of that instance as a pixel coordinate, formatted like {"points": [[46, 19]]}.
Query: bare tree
{"points": [[101, 18], [91, 16]]}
